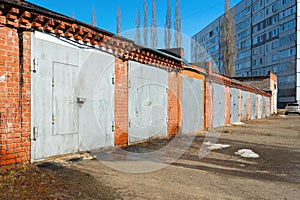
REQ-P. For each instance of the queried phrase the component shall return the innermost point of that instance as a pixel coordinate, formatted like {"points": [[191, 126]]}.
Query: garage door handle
{"points": [[81, 100]]}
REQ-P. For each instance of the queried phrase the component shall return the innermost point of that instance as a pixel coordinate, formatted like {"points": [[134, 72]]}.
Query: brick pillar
{"points": [[208, 105], [256, 108], [174, 111], [14, 97], [249, 106], [121, 103], [227, 105]]}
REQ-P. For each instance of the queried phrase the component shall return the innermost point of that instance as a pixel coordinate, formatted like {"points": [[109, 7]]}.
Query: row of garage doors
{"points": [[243, 105], [72, 91], [73, 98]]}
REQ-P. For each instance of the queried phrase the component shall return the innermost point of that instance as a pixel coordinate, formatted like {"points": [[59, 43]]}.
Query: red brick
{"points": [[173, 103], [121, 103], [15, 141]]}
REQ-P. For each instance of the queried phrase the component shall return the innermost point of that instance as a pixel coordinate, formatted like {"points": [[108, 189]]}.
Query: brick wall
{"points": [[249, 106], [227, 105], [256, 108], [14, 96], [121, 102], [208, 105], [173, 102]]}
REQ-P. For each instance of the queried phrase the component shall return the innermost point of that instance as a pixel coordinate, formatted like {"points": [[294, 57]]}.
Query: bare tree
{"points": [[168, 27], [145, 23], [228, 42], [153, 26], [118, 20], [138, 24], [94, 22], [177, 25], [73, 15]]}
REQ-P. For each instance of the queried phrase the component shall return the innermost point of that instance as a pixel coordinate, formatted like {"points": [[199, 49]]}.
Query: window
{"points": [[255, 6], [255, 18], [268, 22], [267, 11], [254, 51], [261, 3], [255, 29], [244, 44], [274, 7], [275, 32], [275, 19], [243, 24], [243, 55], [261, 38], [243, 34], [241, 14], [288, 25], [274, 58], [254, 62], [288, 52], [284, 2], [275, 45], [255, 40], [287, 12], [267, 36], [288, 39]]}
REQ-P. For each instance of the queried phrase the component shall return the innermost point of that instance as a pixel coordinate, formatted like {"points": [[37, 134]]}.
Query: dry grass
{"points": [[49, 181]]}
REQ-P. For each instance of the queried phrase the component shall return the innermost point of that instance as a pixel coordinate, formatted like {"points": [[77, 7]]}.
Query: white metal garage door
{"points": [[218, 105], [147, 102], [234, 105], [259, 107], [253, 105], [244, 105], [191, 105], [65, 108]]}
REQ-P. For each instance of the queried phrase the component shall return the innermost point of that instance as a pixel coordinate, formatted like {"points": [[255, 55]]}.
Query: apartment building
{"points": [[266, 41]]}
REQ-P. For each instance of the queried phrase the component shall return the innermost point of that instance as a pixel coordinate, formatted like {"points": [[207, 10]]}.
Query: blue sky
{"points": [[195, 14]]}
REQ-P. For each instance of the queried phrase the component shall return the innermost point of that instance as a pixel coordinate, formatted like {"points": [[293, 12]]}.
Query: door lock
{"points": [[81, 100]]}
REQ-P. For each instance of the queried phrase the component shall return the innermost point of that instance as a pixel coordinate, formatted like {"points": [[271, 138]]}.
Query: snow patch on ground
{"points": [[282, 115], [212, 146], [238, 123], [247, 153]]}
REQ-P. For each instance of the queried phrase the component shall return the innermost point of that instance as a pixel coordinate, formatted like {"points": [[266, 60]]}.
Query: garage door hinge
{"points": [[167, 90], [53, 119], [53, 82], [129, 123], [113, 79], [113, 127], [35, 133], [35, 65], [129, 84]]}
